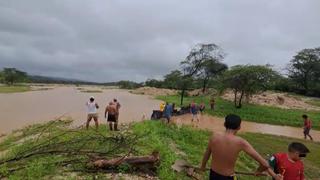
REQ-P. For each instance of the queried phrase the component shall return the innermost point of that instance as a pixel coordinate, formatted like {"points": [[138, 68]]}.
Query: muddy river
{"points": [[20, 109]]}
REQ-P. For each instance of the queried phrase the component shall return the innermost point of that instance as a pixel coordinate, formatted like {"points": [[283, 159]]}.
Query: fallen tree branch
{"points": [[134, 161]]}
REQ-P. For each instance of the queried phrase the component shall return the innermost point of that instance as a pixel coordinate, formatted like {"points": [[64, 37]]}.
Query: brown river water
{"points": [[20, 109]]}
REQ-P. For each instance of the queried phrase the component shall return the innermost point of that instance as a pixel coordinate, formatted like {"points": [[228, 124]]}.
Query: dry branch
{"points": [[134, 161]]}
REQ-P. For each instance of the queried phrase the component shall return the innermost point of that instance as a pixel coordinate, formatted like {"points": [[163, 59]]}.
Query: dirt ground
{"points": [[281, 100], [154, 91], [215, 124], [269, 98]]}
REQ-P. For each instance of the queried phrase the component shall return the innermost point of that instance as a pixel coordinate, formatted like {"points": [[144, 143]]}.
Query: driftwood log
{"points": [[145, 162]]}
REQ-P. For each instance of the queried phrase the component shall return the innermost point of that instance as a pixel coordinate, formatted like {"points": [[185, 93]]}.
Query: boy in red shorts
{"points": [[306, 127], [289, 165]]}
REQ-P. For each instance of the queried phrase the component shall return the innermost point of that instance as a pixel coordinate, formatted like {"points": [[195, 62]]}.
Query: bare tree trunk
{"points": [[240, 100], [134, 161], [205, 82], [235, 98], [182, 95]]}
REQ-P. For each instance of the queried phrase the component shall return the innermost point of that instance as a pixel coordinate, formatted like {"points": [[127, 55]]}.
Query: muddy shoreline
{"points": [[21, 109], [18, 110]]}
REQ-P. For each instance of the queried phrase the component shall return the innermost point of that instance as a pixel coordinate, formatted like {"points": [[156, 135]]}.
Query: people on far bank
{"points": [[162, 105], [110, 115], [307, 123], [212, 103], [92, 107], [167, 112], [202, 107], [194, 111], [175, 110]]}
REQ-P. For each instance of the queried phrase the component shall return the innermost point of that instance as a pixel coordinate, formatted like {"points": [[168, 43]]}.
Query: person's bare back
{"points": [[225, 149], [111, 109]]}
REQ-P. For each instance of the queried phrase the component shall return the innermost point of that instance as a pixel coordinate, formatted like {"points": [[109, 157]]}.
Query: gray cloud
{"points": [[135, 40]]}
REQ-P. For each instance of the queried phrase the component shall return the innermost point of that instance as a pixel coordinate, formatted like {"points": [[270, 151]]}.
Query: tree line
{"points": [[203, 68], [11, 76]]}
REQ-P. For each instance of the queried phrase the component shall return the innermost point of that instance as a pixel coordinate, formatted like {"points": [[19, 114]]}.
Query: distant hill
{"points": [[59, 80]]}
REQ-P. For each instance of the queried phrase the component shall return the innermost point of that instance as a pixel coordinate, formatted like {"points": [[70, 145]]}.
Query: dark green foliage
{"points": [[12, 75], [246, 80], [304, 70], [128, 85], [154, 83]]}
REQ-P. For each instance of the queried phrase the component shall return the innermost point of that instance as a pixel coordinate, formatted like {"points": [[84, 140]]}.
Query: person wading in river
{"points": [[225, 149], [92, 107], [111, 111]]}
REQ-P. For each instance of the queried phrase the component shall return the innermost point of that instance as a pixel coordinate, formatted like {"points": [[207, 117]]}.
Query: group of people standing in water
{"points": [[111, 113]]}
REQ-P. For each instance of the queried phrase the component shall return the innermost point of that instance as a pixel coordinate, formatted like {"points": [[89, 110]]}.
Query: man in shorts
{"points": [[212, 103], [307, 127], [92, 107], [225, 148], [168, 109], [194, 111], [118, 106], [111, 111], [202, 107]]}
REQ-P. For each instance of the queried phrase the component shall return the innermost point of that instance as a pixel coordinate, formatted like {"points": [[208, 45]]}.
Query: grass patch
{"points": [[193, 143], [153, 135], [314, 102], [45, 150], [14, 89], [252, 112]]}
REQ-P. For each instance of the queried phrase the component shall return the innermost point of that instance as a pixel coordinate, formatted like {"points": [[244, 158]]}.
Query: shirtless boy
{"points": [[225, 149]]}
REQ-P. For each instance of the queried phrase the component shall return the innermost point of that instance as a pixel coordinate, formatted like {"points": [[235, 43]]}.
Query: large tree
{"points": [[304, 69], [211, 68], [154, 83], [1, 77], [246, 80], [173, 79], [12, 75], [197, 64]]}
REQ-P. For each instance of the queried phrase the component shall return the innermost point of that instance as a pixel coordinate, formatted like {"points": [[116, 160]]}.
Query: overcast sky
{"points": [[110, 40]]}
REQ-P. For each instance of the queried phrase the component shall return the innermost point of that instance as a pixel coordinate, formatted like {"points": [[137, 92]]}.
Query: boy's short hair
{"points": [[304, 116], [232, 121], [298, 147]]}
